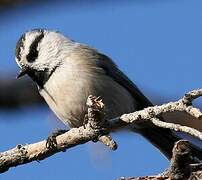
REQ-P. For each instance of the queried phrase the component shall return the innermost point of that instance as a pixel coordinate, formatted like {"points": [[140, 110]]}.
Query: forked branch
{"points": [[97, 128]]}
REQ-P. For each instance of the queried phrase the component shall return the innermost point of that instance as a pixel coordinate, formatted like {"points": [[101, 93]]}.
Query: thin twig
{"points": [[177, 127]]}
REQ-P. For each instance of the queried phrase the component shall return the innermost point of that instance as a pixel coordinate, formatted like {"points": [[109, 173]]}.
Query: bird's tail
{"points": [[164, 140]]}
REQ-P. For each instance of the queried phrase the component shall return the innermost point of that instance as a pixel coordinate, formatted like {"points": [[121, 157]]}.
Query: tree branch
{"points": [[152, 114], [97, 128], [180, 167], [92, 131]]}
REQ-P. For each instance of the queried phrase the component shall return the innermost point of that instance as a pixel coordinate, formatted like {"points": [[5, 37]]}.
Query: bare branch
{"points": [[97, 128], [93, 130], [152, 114], [22, 154], [108, 141], [180, 167], [192, 95], [180, 162], [177, 127]]}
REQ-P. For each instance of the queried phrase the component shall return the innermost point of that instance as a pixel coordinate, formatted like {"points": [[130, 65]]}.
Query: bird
{"points": [[66, 72]]}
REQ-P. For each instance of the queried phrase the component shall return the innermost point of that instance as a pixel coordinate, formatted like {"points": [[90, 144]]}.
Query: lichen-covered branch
{"points": [[96, 128]]}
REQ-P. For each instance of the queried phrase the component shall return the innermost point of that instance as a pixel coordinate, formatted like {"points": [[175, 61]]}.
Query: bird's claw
{"points": [[51, 141]]}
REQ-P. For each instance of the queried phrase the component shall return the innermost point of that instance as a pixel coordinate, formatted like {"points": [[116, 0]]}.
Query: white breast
{"points": [[69, 86]]}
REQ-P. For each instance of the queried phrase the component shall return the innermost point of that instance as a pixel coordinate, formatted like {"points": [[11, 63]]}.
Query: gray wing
{"points": [[112, 70], [152, 133]]}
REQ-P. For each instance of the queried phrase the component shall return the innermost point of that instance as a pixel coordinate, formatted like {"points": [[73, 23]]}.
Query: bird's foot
{"points": [[51, 141], [85, 121]]}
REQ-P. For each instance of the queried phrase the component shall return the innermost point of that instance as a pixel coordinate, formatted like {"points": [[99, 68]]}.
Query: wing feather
{"points": [[112, 70]]}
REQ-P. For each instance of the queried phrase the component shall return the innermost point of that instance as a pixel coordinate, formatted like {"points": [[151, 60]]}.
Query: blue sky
{"points": [[156, 43]]}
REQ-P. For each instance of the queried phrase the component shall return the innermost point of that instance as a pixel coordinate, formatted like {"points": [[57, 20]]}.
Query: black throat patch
{"points": [[41, 77]]}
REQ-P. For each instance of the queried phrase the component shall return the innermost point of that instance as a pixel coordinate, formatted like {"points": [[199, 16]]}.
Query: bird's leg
{"points": [[51, 141], [85, 121]]}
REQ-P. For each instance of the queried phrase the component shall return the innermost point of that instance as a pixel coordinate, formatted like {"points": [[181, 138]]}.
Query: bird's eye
{"points": [[33, 52]]}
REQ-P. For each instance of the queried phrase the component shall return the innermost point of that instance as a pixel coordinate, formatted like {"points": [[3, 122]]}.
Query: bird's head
{"points": [[39, 52]]}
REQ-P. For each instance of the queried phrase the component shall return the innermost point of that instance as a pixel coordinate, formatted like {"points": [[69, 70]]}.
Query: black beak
{"points": [[40, 77], [22, 72]]}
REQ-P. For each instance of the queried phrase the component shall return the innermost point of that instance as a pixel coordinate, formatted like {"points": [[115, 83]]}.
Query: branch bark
{"points": [[97, 128], [180, 166]]}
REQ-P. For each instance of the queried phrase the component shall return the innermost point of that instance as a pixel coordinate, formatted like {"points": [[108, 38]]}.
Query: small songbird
{"points": [[67, 72]]}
